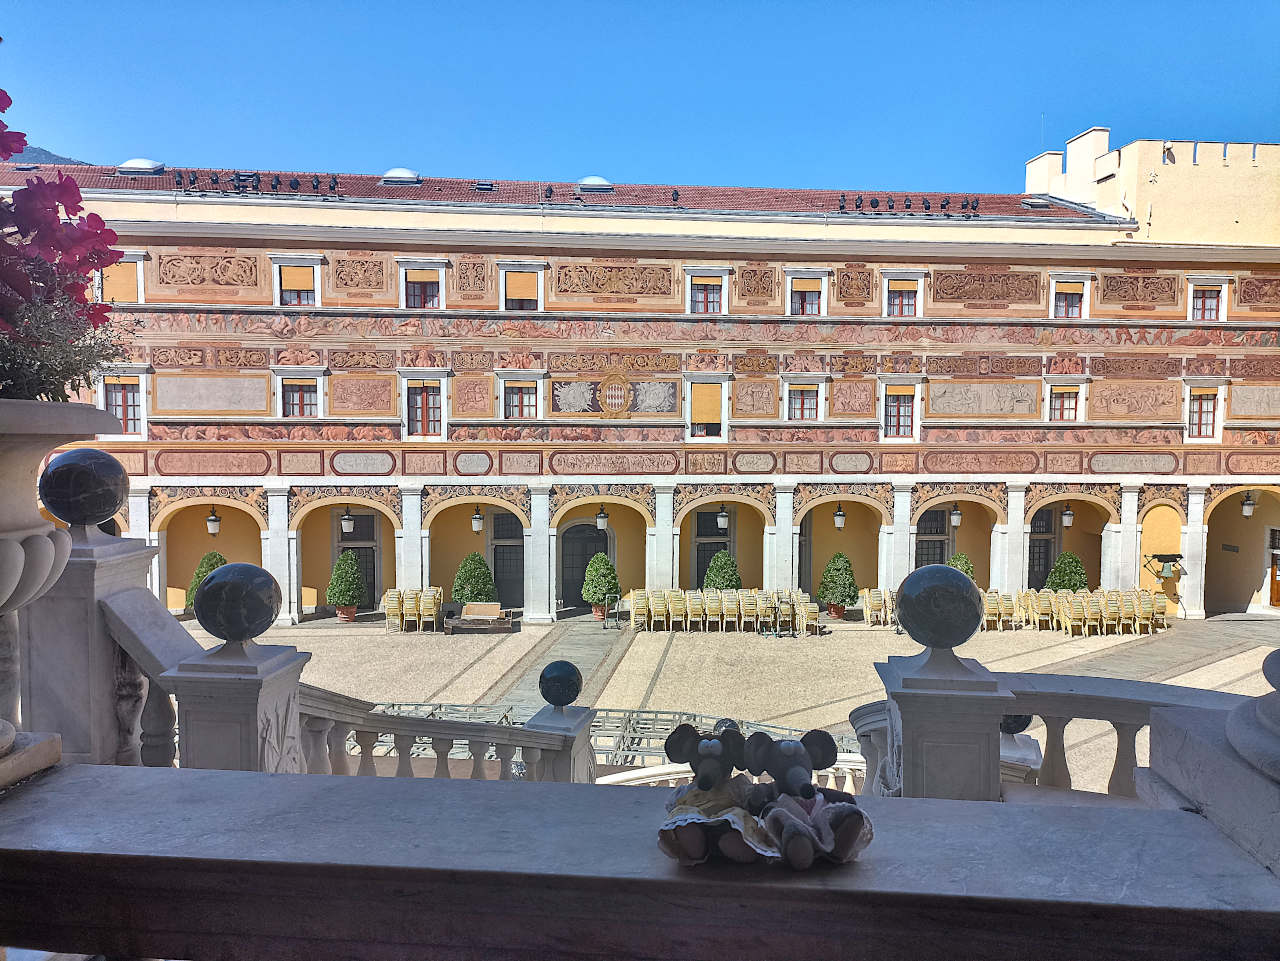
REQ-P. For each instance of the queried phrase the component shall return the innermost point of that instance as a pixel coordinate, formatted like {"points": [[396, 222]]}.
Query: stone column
{"points": [[159, 566], [1015, 540], [884, 559], [426, 559], [1195, 538], [1129, 556], [539, 560], [409, 541], [998, 573], [293, 595], [901, 564], [140, 529], [666, 538], [1109, 575], [784, 550], [276, 552]]}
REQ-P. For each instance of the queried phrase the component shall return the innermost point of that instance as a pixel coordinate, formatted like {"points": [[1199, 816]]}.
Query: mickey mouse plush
{"points": [[710, 816], [804, 821]]}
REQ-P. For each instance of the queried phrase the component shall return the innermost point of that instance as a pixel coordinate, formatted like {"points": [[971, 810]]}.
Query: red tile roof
{"points": [[654, 196]]}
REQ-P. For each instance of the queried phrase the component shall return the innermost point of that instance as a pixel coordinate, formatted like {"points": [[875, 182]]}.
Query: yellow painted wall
{"points": [[860, 540], [316, 554], [187, 539], [749, 537], [629, 535], [1161, 534], [1084, 539], [1234, 580], [451, 540], [974, 538]]}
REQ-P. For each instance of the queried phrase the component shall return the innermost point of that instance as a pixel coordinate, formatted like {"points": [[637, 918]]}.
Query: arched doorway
{"points": [[702, 537], [187, 539], [579, 538], [1062, 526], [938, 537], [1242, 552], [1161, 533], [580, 542], [499, 540], [321, 539], [858, 538]]}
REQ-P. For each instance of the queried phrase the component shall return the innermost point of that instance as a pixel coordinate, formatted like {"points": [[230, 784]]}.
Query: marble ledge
{"points": [[316, 867]]}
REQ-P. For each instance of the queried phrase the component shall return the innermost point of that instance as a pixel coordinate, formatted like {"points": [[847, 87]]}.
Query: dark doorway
{"points": [[578, 545], [365, 559], [508, 559]]}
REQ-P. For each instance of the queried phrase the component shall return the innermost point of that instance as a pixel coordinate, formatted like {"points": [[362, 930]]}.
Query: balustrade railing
{"points": [[847, 774]]}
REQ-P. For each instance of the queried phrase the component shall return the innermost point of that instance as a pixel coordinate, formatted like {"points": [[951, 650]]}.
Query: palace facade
{"points": [[417, 367]]}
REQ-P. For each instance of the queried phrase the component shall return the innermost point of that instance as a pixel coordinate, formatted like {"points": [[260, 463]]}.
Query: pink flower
{"points": [[11, 142], [5, 101]]}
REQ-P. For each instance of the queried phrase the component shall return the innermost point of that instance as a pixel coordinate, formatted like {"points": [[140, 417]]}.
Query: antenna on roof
{"points": [[675, 197], [549, 191], [842, 204]]}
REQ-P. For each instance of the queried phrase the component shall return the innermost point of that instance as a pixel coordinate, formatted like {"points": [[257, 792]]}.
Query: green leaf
{"points": [[960, 561], [838, 585], [346, 583], [600, 580], [474, 582], [208, 563], [1067, 574], [722, 573]]}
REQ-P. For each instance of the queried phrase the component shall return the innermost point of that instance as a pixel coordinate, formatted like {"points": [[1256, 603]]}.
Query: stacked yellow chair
{"points": [[713, 607], [658, 611], [639, 609], [730, 610], [748, 610], [429, 608], [767, 611], [393, 605], [410, 609], [695, 609], [677, 611]]}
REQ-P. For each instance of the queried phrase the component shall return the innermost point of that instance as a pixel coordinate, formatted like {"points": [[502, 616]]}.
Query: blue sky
{"points": [[946, 96]]}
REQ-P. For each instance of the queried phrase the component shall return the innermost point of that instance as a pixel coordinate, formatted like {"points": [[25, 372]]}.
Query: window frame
{"points": [[687, 408], [1070, 277], [143, 373], [1064, 392], [1220, 282], [135, 257], [539, 393], [314, 261], [441, 377], [902, 273], [696, 270], [1191, 390], [320, 374], [822, 274], [288, 382], [882, 409], [538, 267], [406, 264], [817, 384]]}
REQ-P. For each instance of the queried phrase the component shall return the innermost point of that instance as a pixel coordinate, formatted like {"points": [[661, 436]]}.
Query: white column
{"points": [[665, 540], [1194, 543], [276, 554], [1015, 540], [902, 546], [160, 565], [1130, 553], [884, 559], [784, 553], [997, 568], [1109, 575], [140, 527], [294, 598], [425, 541], [539, 560], [769, 572], [409, 541]]}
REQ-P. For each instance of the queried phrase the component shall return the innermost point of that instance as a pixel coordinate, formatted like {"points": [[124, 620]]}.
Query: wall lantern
{"points": [[602, 519], [213, 522], [956, 516], [722, 519], [1248, 504], [347, 520], [1068, 515], [477, 521], [838, 517]]}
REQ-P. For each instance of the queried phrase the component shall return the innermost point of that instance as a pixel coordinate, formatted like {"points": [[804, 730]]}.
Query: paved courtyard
{"points": [[798, 682]]}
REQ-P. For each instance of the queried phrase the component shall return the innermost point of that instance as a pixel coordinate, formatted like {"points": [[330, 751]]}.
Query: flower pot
{"points": [[597, 611], [346, 614], [835, 610]]}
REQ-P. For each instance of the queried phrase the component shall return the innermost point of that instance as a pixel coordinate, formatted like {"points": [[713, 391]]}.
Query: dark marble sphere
{"points": [[1015, 723], [560, 683], [237, 602], [84, 486], [939, 606]]}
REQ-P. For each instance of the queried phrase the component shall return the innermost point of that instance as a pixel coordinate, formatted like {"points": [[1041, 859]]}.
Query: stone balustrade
{"points": [[848, 774]]}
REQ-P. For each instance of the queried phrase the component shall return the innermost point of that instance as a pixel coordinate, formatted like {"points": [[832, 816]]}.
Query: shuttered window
{"points": [[519, 399], [902, 298], [299, 398], [899, 410], [1063, 403], [705, 410], [423, 403], [120, 284], [1204, 303], [704, 295], [297, 286], [522, 290], [1068, 299], [421, 288], [1204, 406], [802, 402], [123, 400]]}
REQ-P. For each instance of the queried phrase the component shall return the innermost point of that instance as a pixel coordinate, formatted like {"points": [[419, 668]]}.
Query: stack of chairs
{"points": [[730, 611], [638, 601], [991, 611], [767, 611], [658, 610], [429, 605], [410, 609], [695, 607], [749, 610], [677, 611], [713, 604], [393, 605]]}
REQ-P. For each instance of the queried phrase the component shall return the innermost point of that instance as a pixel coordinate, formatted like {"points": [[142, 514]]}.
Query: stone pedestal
{"points": [[238, 708], [577, 762], [77, 679]]}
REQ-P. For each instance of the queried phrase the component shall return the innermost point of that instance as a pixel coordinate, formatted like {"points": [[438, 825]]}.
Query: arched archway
{"points": [[1160, 525], [186, 539], [701, 538], [1072, 523], [937, 539], [578, 539], [320, 539], [858, 539], [451, 536], [1242, 554]]}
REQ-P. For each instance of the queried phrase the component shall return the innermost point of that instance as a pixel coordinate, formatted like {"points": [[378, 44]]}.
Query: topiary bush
{"points": [[346, 583], [960, 561], [838, 585], [600, 581], [1067, 574], [208, 563], [474, 582], [722, 573]]}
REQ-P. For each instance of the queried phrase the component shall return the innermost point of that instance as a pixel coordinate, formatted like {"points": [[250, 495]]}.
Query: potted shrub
{"points": [[474, 582], [346, 586], [722, 573], [838, 587], [1067, 574], [207, 565], [600, 581], [960, 561]]}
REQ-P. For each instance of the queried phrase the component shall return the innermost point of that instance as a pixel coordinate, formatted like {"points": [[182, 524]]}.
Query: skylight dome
{"points": [[140, 166], [401, 175]]}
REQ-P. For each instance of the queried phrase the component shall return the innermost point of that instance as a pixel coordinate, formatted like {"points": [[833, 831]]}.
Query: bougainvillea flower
{"points": [[5, 101], [11, 142]]}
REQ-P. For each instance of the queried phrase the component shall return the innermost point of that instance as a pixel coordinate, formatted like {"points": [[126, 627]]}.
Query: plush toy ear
{"points": [[821, 747], [682, 744], [734, 745], [758, 749]]}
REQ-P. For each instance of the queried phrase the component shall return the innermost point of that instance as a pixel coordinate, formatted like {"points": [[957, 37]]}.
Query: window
{"points": [[1068, 299], [806, 295], [1204, 303], [120, 283], [1204, 403], [704, 295], [522, 290], [802, 403], [424, 408], [123, 400], [902, 298], [899, 411], [421, 288], [933, 537], [1063, 402], [299, 398], [705, 410], [520, 400], [297, 287]]}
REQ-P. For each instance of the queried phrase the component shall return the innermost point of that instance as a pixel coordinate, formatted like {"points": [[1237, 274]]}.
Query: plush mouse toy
{"points": [[710, 816], [803, 821]]}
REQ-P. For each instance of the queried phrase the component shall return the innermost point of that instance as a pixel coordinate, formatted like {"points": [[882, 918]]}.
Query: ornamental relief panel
{"points": [[995, 493], [852, 398], [200, 270], [260, 432], [855, 285], [601, 361], [1258, 292], [240, 357], [639, 280], [160, 498], [762, 494], [1009, 287], [806, 494], [1157, 401], [757, 283], [1150, 494], [596, 463], [177, 356], [353, 274], [755, 363], [1266, 368], [640, 494], [1136, 366], [852, 363], [514, 494], [1156, 290], [471, 276], [755, 398], [614, 396], [362, 395], [1038, 494], [387, 496], [472, 395], [299, 357], [354, 359], [424, 357], [983, 398], [462, 360], [1254, 401]]}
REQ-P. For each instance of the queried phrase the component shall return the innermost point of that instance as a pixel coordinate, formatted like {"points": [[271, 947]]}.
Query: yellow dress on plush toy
{"points": [[722, 809]]}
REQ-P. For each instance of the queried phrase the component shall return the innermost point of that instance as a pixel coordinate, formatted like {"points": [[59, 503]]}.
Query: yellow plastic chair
{"points": [[1093, 619], [1044, 610], [991, 611], [730, 611], [786, 613], [713, 606], [658, 611], [1146, 612], [429, 609], [874, 611], [1129, 611], [766, 612], [393, 605], [1160, 610], [1075, 616], [1008, 611], [749, 610], [695, 610], [409, 609], [808, 614], [1111, 616], [638, 601], [677, 610]]}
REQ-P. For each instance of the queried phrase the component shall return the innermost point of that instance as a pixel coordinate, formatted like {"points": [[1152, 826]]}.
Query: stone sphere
{"points": [[237, 602], [939, 606], [1015, 723], [84, 486], [560, 683]]}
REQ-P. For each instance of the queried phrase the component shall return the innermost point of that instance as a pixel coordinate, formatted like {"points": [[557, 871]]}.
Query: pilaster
{"points": [[1015, 540], [1194, 548], [784, 552], [409, 541], [998, 568], [901, 564], [1130, 546], [140, 529], [539, 560], [665, 538], [276, 557]]}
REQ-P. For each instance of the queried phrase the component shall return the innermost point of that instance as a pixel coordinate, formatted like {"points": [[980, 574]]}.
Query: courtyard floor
{"points": [[797, 682]]}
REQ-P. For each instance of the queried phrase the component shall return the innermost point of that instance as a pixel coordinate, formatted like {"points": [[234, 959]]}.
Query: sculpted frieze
{"points": [[471, 276], [197, 270], [1159, 400], [854, 285], [984, 398], [298, 357], [644, 280], [755, 398], [757, 283], [806, 494], [762, 494], [388, 496], [353, 359], [601, 361], [240, 357], [177, 356], [352, 274], [255, 498], [755, 363], [612, 462], [261, 432], [1010, 287], [473, 395], [471, 360], [1261, 367], [853, 398], [994, 493], [1258, 292], [1161, 290], [1138, 366], [516, 495], [642, 495], [1175, 494], [424, 357], [1256, 401]]}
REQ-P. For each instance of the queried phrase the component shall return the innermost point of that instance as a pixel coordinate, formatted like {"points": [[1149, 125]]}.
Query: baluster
{"points": [[315, 743], [442, 746], [339, 762], [478, 750], [532, 757], [366, 740], [505, 753], [1121, 783], [159, 719], [1053, 769], [404, 754], [131, 691]]}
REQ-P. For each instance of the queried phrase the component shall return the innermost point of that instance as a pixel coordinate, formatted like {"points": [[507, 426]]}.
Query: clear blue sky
{"points": [[886, 95]]}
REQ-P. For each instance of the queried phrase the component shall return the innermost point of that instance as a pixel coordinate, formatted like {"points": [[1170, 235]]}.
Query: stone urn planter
{"points": [[33, 552], [346, 614], [597, 611]]}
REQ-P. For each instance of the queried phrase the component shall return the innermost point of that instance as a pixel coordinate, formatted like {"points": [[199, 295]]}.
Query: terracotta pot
{"points": [[835, 610], [346, 614], [597, 611]]}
